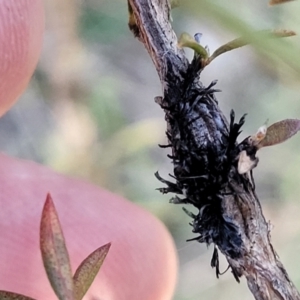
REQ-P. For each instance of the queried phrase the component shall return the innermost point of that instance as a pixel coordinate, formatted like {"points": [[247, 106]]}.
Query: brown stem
{"points": [[196, 129]]}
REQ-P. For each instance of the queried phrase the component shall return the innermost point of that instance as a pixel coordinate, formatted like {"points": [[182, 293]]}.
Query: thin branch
{"points": [[205, 155], [155, 32]]}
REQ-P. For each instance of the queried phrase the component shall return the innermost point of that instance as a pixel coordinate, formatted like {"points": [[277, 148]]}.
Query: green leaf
{"points": [[4, 295], [185, 40], [246, 40], [285, 52], [54, 253], [280, 132], [87, 271]]}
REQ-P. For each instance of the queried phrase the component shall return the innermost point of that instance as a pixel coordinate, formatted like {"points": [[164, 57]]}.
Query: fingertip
{"points": [[141, 263], [21, 36]]}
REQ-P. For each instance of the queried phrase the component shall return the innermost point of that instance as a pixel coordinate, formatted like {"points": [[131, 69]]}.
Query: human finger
{"points": [[21, 35], [141, 263]]}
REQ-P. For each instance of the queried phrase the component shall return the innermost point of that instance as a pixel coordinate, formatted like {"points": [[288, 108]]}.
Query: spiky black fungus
{"points": [[204, 154]]}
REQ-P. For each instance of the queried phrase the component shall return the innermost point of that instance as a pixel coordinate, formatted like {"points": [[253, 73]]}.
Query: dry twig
{"points": [[204, 154]]}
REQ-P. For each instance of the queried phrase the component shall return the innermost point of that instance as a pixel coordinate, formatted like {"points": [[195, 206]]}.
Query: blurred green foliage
{"points": [[106, 114], [102, 22]]}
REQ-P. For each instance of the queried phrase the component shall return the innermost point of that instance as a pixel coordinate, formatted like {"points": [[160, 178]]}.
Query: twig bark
{"points": [[204, 151]]}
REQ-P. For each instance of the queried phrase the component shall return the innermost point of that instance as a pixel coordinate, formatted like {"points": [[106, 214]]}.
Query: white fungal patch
{"points": [[246, 163]]}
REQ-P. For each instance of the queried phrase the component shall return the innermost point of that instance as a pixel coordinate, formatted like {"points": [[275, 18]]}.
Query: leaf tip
{"points": [[49, 200], [284, 33], [106, 247], [275, 2], [49, 207]]}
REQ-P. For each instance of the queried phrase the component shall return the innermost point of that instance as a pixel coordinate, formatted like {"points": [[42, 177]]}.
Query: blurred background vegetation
{"points": [[89, 112]]}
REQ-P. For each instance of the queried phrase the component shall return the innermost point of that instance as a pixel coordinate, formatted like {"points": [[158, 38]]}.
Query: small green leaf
{"points": [[246, 40], [54, 253], [280, 132], [234, 44], [185, 40], [4, 295], [87, 271]]}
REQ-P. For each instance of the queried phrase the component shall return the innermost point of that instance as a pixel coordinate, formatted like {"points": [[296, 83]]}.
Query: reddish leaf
{"points": [[54, 253], [88, 269], [275, 2], [4, 295], [280, 132]]}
